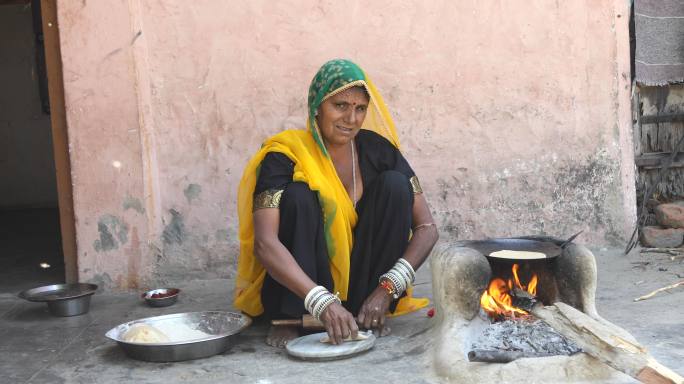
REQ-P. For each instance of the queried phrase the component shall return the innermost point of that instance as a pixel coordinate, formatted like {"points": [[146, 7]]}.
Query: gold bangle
{"points": [[425, 225]]}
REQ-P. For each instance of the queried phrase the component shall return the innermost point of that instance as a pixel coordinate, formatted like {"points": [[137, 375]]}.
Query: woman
{"points": [[332, 219]]}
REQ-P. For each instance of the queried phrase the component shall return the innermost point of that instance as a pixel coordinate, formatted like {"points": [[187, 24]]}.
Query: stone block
{"points": [[662, 237], [670, 215]]}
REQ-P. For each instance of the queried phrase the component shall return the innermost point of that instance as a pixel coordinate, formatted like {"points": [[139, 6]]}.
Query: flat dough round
{"points": [[360, 336], [518, 255], [143, 333]]}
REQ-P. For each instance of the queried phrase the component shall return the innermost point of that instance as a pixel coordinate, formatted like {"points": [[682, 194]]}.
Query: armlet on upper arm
{"points": [[415, 185], [269, 198]]}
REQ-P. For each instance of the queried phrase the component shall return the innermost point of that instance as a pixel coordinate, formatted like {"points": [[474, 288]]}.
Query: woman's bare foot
{"points": [[280, 335]]}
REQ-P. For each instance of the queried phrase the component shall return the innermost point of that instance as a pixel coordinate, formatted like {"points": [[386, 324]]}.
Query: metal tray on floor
{"points": [[206, 334], [63, 299]]}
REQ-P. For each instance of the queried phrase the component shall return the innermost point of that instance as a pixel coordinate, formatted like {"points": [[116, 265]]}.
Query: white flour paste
{"points": [[180, 332]]}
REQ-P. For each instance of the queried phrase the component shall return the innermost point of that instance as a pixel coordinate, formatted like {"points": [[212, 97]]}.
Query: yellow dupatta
{"points": [[314, 167]]}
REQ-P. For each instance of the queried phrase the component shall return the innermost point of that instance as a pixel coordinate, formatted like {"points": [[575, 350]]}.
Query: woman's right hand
{"points": [[339, 323]]}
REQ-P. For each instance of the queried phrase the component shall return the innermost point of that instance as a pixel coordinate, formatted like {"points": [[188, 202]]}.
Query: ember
{"points": [[505, 298]]}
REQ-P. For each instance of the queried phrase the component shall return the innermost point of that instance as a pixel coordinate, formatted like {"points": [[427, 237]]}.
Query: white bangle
{"points": [[408, 265], [320, 296], [318, 299], [323, 304], [401, 275], [312, 295], [405, 273], [397, 281], [409, 268]]}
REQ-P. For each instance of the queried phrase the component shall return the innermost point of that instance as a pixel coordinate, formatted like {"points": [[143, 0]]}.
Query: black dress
{"points": [[380, 237]]}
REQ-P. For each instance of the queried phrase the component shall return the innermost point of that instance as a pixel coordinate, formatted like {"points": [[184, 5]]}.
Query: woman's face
{"points": [[340, 116]]}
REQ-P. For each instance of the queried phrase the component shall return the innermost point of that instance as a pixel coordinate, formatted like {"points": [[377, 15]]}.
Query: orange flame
{"points": [[515, 274], [532, 286], [497, 301]]}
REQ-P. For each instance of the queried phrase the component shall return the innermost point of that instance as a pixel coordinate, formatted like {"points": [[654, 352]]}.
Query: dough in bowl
{"points": [[143, 333]]}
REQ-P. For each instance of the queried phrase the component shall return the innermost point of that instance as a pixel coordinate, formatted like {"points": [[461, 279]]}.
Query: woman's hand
{"points": [[373, 310], [339, 323]]}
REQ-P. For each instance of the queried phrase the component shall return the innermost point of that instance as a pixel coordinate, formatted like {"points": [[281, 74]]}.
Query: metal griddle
{"points": [[549, 248], [489, 246]]}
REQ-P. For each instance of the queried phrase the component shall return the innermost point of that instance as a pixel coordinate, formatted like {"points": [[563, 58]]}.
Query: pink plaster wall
{"points": [[514, 115]]}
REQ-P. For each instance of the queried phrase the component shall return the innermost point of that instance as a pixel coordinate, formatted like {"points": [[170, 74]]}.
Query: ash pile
{"points": [[505, 341]]}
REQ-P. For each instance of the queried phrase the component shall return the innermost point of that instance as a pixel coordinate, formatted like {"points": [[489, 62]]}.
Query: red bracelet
{"points": [[388, 286]]}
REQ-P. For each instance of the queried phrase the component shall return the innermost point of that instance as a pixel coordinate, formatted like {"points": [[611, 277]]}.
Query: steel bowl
{"points": [[63, 299], [193, 335], [170, 299]]}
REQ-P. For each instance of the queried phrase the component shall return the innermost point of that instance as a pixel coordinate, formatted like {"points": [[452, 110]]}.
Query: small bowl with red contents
{"points": [[161, 297]]}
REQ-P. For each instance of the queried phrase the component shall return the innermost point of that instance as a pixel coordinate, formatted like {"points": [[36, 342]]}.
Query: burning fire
{"points": [[497, 300]]}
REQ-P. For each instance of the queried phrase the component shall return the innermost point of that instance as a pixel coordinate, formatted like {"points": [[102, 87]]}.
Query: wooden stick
{"points": [[606, 342], [306, 322], [648, 296]]}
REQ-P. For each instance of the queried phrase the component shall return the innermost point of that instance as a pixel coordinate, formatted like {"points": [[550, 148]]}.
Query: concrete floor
{"points": [[38, 348]]}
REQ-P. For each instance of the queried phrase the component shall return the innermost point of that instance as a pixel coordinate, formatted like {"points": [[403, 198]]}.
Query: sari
{"points": [[314, 167]]}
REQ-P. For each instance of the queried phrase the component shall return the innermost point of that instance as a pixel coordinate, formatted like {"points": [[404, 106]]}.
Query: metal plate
{"points": [[58, 292], [205, 334], [487, 247], [309, 347]]}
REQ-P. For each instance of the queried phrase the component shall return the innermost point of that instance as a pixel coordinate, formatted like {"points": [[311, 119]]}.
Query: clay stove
{"points": [[461, 273]]}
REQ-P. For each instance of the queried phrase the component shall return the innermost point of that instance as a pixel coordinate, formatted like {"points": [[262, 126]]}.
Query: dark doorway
{"points": [[30, 238]]}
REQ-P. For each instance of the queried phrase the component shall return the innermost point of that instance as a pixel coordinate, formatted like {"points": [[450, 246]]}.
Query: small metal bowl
{"points": [[63, 299], [212, 333], [170, 297]]}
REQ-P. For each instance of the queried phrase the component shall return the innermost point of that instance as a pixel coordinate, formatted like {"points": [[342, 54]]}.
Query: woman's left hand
{"points": [[373, 310]]}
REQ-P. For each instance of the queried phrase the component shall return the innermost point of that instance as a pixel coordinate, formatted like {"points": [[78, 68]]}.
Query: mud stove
{"points": [[490, 296]]}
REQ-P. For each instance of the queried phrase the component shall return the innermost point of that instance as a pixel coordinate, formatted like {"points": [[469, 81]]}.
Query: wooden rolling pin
{"points": [[307, 322]]}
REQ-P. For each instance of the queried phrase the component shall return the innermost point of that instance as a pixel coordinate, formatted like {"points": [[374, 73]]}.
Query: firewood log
{"points": [[603, 341]]}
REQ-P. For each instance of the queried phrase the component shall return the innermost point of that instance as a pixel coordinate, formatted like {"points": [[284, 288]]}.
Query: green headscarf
{"points": [[333, 77]]}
